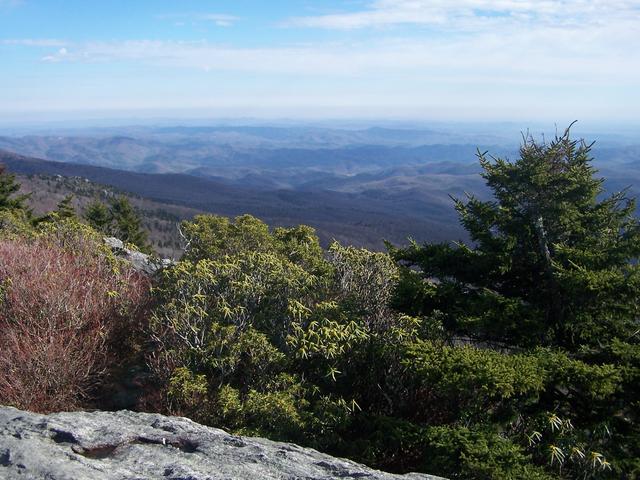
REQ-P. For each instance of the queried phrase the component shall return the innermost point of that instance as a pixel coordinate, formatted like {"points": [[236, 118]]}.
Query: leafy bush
{"points": [[67, 313], [459, 452], [210, 236], [276, 328], [271, 336], [511, 358]]}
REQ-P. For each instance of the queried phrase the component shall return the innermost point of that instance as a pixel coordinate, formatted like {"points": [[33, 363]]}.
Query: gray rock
{"points": [[129, 445], [139, 261], [114, 243]]}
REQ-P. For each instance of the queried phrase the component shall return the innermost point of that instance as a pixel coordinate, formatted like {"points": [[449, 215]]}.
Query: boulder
{"points": [[129, 445], [140, 261]]}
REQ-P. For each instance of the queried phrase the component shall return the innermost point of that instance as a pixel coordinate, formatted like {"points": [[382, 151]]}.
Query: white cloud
{"points": [[545, 55], [60, 55], [475, 14], [489, 44], [218, 19]]}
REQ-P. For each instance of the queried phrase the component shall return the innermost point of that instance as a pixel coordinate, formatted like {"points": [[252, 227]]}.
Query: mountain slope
{"points": [[360, 218]]}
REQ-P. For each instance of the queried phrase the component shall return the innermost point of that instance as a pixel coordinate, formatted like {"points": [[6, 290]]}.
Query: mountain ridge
{"points": [[355, 218]]}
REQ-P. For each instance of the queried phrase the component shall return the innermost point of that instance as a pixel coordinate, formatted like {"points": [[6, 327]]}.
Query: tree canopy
{"points": [[119, 219]]}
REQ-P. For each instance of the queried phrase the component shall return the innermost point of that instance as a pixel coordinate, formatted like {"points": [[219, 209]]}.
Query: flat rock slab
{"points": [[129, 445]]}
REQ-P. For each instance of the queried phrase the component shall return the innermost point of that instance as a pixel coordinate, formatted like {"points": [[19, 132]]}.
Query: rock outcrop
{"points": [[128, 445], [140, 261]]}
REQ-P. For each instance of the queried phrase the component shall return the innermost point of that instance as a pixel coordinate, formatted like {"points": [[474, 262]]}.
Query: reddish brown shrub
{"points": [[65, 315]]}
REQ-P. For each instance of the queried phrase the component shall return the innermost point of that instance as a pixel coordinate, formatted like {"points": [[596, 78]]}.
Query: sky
{"points": [[476, 60]]}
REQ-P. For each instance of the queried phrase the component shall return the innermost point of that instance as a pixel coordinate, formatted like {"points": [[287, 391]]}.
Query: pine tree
{"points": [[98, 216], [127, 224], [553, 263], [8, 190], [65, 208], [550, 263]]}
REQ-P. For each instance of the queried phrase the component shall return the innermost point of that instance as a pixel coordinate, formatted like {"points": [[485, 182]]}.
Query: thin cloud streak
{"points": [[218, 19], [474, 15]]}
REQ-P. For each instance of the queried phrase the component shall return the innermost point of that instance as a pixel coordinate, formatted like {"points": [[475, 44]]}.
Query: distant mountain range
{"points": [[358, 186], [236, 156]]}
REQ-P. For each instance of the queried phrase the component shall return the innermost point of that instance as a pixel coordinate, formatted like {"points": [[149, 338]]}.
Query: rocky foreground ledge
{"points": [[129, 445]]}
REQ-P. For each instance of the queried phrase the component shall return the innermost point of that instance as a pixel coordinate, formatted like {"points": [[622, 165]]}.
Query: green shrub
{"points": [[515, 357], [458, 452]]}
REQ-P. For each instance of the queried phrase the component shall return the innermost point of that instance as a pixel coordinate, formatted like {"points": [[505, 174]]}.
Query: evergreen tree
{"points": [[119, 219], [551, 263], [65, 208], [98, 216], [127, 224], [8, 190]]}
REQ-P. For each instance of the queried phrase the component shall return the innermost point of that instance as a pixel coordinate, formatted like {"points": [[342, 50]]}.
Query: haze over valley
{"points": [[358, 185]]}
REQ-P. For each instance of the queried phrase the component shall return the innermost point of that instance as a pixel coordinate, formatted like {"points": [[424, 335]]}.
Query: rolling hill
{"points": [[362, 218]]}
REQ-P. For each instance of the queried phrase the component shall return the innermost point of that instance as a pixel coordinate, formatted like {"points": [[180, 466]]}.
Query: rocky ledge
{"points": [[139, 261], [129, 445]]}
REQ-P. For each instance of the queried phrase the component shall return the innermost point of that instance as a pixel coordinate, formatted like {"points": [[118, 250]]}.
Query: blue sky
{"points": [[474, 60]]}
